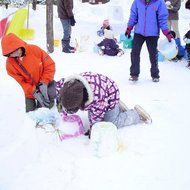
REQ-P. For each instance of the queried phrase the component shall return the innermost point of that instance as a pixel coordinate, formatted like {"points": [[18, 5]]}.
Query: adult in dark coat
{"points": [[65, 13]]}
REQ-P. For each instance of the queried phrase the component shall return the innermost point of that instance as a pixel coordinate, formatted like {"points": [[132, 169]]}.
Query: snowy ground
{"points": [[152, 157]]}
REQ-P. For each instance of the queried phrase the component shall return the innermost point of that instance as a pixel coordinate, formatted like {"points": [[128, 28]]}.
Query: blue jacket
{"points": [[148, 18]]}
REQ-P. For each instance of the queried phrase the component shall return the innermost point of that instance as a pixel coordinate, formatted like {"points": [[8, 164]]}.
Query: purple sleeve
{"points": [[58, 86]]}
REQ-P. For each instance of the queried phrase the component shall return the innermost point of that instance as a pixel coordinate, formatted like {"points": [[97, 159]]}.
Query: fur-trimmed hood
{"points": [[85, 83], [103, 94]]}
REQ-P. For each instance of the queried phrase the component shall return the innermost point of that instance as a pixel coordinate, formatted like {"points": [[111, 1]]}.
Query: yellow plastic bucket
{"points": [[27, 34], [56, 43]]}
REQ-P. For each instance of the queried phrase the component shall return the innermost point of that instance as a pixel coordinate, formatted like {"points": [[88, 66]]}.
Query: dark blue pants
{"points": [[66, 29], [151, 43]]}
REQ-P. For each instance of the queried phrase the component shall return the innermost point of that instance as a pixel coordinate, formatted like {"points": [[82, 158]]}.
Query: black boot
{"points": [[70, 47], [188, 61], [65, 45]]}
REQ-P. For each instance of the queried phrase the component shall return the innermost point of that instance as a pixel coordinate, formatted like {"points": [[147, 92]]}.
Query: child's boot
{"points": [[120, 53], [122, 106], [101, 52], [144, 116], [188, 64], [188, 61]]}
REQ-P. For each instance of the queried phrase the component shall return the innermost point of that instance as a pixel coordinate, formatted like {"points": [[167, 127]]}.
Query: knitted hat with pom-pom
{"points": [[106, 23], [108, 34]]}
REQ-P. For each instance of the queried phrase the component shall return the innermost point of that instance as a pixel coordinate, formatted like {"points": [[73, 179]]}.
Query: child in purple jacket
{"points": [[99, 95], [109, 45]]}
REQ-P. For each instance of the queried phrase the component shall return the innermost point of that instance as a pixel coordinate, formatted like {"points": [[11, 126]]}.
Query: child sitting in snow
{"points": [[187, 41], [109, 45], [106, 25], [181, 49], [99, 95]]}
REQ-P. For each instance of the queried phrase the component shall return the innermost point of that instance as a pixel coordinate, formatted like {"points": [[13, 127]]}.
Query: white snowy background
{"points": [[152, 156]]}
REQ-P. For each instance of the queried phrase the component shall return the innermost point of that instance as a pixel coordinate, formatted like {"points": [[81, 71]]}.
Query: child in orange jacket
{"points": [[32, 68]]}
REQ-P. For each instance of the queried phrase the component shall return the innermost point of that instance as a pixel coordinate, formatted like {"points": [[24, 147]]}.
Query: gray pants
{"points": [[122, 119]]}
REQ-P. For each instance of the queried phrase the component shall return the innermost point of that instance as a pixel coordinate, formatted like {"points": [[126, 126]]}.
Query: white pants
{"points": [[173, 25]]}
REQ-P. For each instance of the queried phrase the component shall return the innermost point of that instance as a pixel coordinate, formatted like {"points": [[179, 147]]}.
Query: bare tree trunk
{"points": [[49, 26]]}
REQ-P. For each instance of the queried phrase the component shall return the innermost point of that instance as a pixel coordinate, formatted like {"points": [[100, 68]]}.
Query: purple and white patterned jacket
{"points": [[103, 94]]}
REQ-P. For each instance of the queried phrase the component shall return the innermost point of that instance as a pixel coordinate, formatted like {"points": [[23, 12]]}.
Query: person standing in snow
{"points": [[187, 46], [99, 95], [65, 13], [147, 17], [173, 7], [32, 68]]}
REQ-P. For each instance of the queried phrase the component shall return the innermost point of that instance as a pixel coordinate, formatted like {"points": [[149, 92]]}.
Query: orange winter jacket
{"points": [[36, 61]]}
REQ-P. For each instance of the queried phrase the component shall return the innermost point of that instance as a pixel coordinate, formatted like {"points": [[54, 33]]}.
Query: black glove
{"points": [[39, 97], [88, 133], [128, 31], [72, 20], [43, 89]]}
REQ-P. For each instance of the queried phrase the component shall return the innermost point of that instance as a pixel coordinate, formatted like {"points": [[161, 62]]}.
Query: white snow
{"points": [[151, 157]]}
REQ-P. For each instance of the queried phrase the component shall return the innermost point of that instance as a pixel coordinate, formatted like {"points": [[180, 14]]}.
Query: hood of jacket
{"points": [[10, 43]]}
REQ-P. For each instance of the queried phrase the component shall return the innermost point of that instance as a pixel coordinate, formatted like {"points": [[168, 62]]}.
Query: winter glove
{"points": [[169, 5], [128, 31], [72, 20], [43, 89], [168, 35], [88, 133], [39, 97]]}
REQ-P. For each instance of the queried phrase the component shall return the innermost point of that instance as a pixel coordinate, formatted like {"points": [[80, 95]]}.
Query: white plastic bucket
{"points": [[168, 49], [104, 139]]}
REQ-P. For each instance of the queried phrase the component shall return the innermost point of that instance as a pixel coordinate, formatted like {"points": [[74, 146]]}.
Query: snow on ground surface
{"points": [[151, 157]]}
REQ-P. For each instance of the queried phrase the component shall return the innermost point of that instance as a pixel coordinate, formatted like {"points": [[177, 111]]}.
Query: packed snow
{"points": [[150, 156]]}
